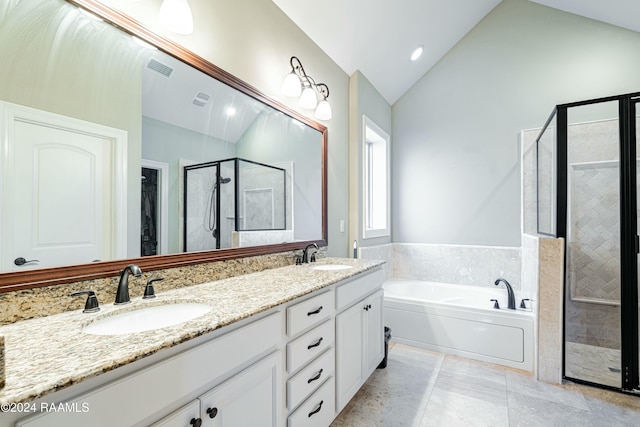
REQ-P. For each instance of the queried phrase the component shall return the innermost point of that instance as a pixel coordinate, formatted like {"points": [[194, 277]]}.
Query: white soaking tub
{"points": [[460, 320]]}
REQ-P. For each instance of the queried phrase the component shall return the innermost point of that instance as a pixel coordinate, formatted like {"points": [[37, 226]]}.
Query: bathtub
{"points": [[460, 320]]}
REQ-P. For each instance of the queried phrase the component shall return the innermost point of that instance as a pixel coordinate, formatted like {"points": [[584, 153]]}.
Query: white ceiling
{"points": [[170, 100], [377, 36]]}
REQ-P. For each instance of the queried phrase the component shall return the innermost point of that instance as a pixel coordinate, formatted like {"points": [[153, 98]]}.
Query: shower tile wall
{"points": [[261, 195], [200, 186]]}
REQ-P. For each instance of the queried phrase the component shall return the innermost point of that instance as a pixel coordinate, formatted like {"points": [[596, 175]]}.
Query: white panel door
{"points": [[61, 192]]}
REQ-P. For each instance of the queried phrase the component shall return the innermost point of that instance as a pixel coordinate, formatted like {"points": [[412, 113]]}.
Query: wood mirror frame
{"points": [[13, 281]]}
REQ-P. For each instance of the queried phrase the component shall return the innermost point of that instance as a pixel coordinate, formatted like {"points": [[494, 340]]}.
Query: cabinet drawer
{"points": [[307, 380], [309, 312], [318, 411], [309, 345], [357, 289], [176, 377]]}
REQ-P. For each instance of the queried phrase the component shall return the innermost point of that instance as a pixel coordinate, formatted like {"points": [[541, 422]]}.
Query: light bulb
{"points": [[308, 98], [291, 85], [417, 53], [176, 16], [323, 112]]}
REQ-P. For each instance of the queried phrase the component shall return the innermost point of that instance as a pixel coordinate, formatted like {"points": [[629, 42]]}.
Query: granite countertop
{"points": [[50, 353]]}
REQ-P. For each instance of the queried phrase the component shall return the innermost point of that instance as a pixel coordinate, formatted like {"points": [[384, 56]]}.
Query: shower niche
{"points": [[236, 202]]}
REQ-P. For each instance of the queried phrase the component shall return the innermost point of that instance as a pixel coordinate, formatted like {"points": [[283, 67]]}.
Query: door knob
{"points": [[20, 261]]}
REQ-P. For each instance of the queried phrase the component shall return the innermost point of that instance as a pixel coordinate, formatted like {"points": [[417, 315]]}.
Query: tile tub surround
{"points": [[381, 252], [30, 303], [459, 264], [34, 369]]}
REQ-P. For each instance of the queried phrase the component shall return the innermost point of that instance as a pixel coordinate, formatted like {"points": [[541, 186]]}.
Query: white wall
{"points": [[254, 40], [455, 155], [364, 99]]}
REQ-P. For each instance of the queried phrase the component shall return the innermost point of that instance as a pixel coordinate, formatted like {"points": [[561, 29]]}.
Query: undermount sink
{"points": [[147, 318], [330, 267]]}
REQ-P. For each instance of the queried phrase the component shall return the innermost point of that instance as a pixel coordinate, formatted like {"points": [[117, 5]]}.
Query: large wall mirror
{"points": [[117, 145]]}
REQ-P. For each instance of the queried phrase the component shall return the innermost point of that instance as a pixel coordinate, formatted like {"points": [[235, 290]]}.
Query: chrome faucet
{"points": [[305, 253], [511, 304], [122, 296]]}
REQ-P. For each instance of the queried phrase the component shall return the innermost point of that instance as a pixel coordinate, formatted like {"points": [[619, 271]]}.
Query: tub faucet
{"points": [[511, 305], [122, 296], [305, 253]]}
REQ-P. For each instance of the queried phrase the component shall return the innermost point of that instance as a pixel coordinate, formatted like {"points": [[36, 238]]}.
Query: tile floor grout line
{"points": [[432, 386]]}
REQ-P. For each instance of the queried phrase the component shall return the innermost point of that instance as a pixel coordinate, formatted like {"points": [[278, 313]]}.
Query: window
{"points": [[375, 155]]}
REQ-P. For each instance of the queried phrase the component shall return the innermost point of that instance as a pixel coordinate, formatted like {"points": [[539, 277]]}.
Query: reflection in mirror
{"points": [[98, 131]]}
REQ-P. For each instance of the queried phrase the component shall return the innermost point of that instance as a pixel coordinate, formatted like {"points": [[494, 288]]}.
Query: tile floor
{"points": [[422, 388]]}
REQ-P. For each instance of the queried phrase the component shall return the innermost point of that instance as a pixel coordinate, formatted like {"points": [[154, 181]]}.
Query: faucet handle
{"points": [[495, 304], [91, 305], [149, 292], [523, 304]]}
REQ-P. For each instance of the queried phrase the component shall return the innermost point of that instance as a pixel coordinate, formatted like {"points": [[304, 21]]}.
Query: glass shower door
{"points": [[592, 297]]}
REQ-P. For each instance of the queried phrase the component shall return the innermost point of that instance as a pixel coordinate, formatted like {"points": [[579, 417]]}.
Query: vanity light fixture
{"points": [[417, 53], [176, 16], [298, 83]]}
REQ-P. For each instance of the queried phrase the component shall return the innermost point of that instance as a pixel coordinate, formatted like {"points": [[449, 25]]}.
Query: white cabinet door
{"points": [[359, 346], [374, 345], [183, 417], [349, 353], [251, 398]]}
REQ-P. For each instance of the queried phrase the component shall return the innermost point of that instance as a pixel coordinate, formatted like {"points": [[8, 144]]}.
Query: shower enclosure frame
{"points": [[629, 239], [236, 190]]}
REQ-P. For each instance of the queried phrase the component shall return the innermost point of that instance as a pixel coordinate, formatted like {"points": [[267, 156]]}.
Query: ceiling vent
{"points": [[159, 67], [201, 99]]}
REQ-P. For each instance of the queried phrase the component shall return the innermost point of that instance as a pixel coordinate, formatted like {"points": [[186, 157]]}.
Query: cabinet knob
{"points": [[196, 422], [212, 412]]}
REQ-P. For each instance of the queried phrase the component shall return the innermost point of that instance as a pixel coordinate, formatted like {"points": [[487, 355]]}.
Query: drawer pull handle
{"points": [[316, 311], [196, 422], [315, 411], [212, 412], [317, 343], [317, 377]]}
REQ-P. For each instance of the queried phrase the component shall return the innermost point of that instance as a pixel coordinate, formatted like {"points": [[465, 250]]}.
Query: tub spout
{"points": [[512, 299]]}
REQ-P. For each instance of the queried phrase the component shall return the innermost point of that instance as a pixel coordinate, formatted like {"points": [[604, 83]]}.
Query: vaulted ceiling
{"points": [[378, 36]]}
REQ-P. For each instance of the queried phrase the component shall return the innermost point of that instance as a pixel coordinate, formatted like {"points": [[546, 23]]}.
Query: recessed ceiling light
{"points": [[417, 53], [230, 111]]}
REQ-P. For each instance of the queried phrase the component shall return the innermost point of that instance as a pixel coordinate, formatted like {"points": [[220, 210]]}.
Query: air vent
{"points": [[159, 67], [201, 99]]}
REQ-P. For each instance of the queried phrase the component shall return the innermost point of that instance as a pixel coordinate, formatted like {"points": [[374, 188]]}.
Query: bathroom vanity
{"points": [[286, 346]]}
